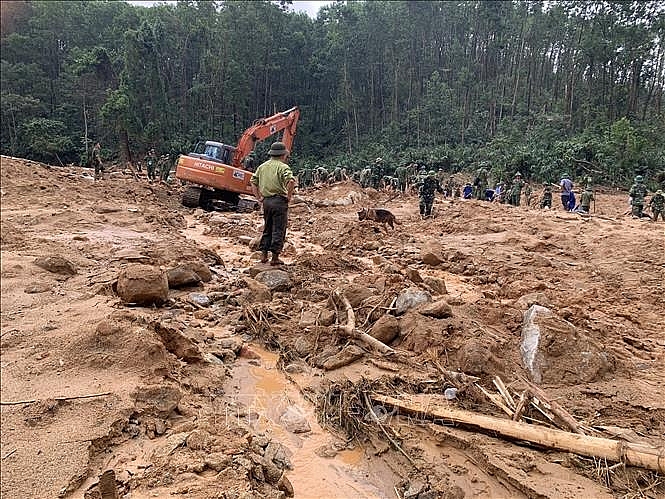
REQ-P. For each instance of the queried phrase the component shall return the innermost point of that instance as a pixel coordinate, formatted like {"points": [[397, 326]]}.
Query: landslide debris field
{"points": [[246, 383]]}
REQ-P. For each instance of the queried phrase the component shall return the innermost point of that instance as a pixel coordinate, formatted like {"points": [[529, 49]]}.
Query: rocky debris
{"points": [[156, 400], [37, 287], [436, 284], [346, 356], [386, 329], [199, 299], [317, 317], [106, 208], [356, 294], [432, 253], [199, 440], [225, 355], [279, 455], [177, 343], [294, 420], [179, 277], [554, 351], [525, 301], [439, 310], [303, 347], [324, 355], [275, 280], [257, 292], [143, 285], [247, 353], [217, 461], [56, 264], [411, 298]]}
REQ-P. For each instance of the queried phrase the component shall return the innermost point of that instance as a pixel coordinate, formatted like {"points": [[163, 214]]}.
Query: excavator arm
{"points": [[264, 128]]}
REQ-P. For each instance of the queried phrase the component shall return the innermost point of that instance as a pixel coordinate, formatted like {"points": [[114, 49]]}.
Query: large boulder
{"points": [[275, 280], [431, 253], [554, 351], [411, 298], [386, 329], [143, 285]]}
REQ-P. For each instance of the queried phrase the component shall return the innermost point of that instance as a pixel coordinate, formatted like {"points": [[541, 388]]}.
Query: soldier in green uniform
{"points": [[528, 192], [97, 160], [151, 163], [657, 205], [250, 162], [377, 172], [164, 168], [401, 175], [480, 183], [585, 200], [516, 190], [637, 193], [428, 187], [546, 201]]}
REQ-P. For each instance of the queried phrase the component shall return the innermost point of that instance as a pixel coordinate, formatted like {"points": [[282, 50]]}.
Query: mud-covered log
{"points": [[633, 454]]}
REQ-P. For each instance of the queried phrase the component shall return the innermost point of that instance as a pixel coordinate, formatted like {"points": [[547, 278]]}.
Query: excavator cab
{"points": [[213, 151]]}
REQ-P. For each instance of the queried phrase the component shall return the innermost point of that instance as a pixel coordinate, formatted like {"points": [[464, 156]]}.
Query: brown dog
{"points": [[378, 215]]}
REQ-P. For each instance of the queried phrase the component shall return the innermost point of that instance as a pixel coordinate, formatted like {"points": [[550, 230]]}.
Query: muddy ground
{"points": [[230, 389]]}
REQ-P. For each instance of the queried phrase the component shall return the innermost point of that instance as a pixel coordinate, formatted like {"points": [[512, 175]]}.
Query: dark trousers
{"points": [[564, 200], [275, 217]]}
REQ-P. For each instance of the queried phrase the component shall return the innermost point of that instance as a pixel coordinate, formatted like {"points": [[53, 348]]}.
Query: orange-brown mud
{"points": [[216, 426]]}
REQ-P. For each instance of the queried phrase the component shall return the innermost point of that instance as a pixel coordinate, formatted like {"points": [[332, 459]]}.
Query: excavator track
{"points": [[192, 197]]}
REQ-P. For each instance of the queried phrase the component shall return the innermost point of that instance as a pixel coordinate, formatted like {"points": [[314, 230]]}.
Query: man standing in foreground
{"points": [[566, 190], [272, 185]]}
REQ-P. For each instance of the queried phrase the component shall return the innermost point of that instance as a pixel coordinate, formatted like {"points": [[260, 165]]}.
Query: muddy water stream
{"points": [[266, 394]]}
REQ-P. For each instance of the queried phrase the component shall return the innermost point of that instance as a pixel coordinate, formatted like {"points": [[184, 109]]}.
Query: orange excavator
{"points": [[217, 169]]}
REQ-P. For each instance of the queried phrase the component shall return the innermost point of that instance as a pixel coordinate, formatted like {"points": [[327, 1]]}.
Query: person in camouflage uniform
{"points": [[336, 174], [638, 192], [164, 168], [401, 175], [528, 192], [378, 172], [365, 177], [546, 201], [585, 200], [97, 160], [480, 183], [450, 187], [429, 186], [151, 163], [657, 205], [516, 190]]}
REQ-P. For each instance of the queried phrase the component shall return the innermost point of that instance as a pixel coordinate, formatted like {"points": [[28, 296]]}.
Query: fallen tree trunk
{"points": [[349, 329], [633, 454]]}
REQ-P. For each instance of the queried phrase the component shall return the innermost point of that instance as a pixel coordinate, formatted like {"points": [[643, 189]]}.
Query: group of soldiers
{"points": [[157, 168], [638, 193]]}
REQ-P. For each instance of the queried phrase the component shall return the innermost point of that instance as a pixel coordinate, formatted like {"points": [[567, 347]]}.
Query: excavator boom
{"points": [[264, 128]]}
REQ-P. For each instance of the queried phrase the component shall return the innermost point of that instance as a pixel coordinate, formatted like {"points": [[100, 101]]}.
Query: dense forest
{"points": [[543, 87]]}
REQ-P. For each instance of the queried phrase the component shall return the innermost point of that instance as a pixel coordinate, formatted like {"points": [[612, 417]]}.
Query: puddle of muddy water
{"points": [[266, 393]]}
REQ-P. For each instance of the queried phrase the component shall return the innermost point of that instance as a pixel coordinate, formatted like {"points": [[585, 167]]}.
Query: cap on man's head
{"points": [[278, 149]]}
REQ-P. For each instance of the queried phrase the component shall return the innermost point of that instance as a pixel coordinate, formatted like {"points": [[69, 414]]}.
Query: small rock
{"points": [[414, 275], [294, 369], [257, 292], [56, 264], [254, 243], [285, 486], [276, 280], [324, 355], [411, 298], [414, 489], [248, 353], [346, 356], [525, 301], [439, 310], [279, 455], [177, 343], [143, 285], [200, 299], [38, 287], [200, 268], [106, 208], [217, 461], [199, 440], [385, 329], [179, 277], [378, 260], [431, 253], [303, 347], [156, 400], [371, 245], [225, 355], [356, 293], [271, 472], [436, 284], [232, 343], [245, 239], [294, 420]]}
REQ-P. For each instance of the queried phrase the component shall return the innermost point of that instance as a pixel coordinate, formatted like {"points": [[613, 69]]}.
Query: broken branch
{"points": [[349, 329], [59, 399]]}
